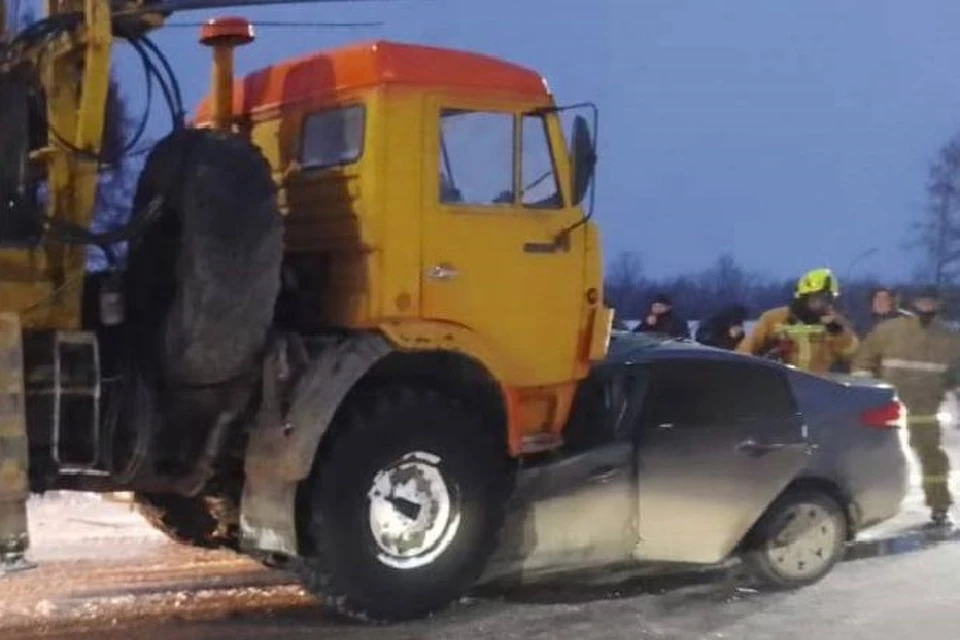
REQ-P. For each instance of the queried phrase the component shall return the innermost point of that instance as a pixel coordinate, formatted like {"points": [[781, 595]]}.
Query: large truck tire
{"points": [[404, 506], [203, 278]]}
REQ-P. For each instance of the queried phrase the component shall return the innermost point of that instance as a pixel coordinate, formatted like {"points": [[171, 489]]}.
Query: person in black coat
{"points": [[883, 306], [661, 319], [724, 329]]}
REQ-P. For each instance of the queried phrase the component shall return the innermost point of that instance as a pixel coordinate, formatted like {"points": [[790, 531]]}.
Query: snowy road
{"points": [[134, 588], [104, 575]]}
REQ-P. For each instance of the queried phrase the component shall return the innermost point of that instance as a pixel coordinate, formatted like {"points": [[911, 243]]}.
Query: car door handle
{"points": [[603, 474], [751, 447], [443, 272]]}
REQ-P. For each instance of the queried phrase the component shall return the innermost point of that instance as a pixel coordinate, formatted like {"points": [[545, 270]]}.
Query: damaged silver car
{"points": [[679, 454]]}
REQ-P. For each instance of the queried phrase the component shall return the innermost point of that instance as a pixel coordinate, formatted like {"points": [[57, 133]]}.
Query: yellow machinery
{"points": [[349, 297]]}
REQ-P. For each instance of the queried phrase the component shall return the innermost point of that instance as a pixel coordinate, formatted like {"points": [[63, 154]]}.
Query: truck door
{"points": [[718, 442], [493, 206]]}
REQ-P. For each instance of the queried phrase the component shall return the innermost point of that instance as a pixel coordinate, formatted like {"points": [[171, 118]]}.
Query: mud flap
{"points": [[280, 451], [14, 449]]}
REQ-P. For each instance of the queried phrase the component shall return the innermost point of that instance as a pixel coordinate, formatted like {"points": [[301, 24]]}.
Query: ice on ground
{"points": [[71, 525]]}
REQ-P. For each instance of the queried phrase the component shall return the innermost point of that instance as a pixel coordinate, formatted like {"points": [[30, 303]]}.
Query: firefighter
{"points": [[918, 355], [808, 333]]}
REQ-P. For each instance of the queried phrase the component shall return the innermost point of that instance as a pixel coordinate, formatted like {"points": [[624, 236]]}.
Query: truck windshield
{"points": [[478, 160]]}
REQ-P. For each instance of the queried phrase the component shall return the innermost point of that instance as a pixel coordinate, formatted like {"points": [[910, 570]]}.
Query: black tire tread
{"points": [[204, 277], [365, 414]]}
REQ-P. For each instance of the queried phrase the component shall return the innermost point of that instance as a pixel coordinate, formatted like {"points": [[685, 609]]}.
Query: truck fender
{"points": [[280, 453]]}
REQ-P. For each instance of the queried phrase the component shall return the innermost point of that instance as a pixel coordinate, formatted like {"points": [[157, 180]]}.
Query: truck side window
{"points": [[476, 157], [538, 176], [332, 137]]}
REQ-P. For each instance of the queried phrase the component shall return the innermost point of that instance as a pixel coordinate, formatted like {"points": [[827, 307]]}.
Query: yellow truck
{"points": [[353, 293]]}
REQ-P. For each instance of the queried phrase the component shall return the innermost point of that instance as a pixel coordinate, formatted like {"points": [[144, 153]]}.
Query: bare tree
{"points": [[726, 281], [117, 176], [624, 284], [938, 232], [626, 271]]}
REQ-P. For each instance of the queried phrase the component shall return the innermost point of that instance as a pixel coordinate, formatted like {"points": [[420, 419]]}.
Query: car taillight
{"points": [[888, 416]]}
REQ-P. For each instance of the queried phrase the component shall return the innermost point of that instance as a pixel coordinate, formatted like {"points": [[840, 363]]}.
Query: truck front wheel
{"points": [[405, 505]]}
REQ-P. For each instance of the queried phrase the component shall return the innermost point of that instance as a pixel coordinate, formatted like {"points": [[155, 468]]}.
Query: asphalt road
{"points": [[102, 575]]}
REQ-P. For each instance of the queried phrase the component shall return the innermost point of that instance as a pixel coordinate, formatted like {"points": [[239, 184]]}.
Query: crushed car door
{"points": [[579, 511], [718, 440]]}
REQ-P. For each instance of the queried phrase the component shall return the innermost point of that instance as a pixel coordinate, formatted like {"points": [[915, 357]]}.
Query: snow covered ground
{"points": [[68, 525]]}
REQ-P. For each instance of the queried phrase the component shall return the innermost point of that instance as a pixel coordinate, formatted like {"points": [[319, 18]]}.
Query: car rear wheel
{"points": [[797, 542]]}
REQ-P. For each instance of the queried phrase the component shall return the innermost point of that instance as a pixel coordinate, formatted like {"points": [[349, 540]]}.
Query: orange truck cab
{"points": [[429, 194]]}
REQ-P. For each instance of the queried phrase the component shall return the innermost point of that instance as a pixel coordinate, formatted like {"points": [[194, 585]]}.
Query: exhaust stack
{"points": [[224, 35]]}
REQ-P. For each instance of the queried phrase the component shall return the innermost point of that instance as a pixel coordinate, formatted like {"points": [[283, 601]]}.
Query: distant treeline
{"points": [[698, 296]]}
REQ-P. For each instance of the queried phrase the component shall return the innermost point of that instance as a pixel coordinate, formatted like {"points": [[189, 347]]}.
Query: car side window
{"points": [[476, 158], [605, 408], [701, 393]]}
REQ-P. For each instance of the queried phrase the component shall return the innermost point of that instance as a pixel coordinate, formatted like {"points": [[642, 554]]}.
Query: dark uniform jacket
{"points": [[920, 361], [666, 324]]}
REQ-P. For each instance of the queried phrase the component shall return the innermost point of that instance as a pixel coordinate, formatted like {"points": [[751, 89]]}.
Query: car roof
{"points": [[628, 348], [636, 348]]}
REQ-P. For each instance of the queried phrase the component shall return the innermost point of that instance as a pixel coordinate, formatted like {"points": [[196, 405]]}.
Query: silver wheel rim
{"points": [[806, 541], [414, 514]]}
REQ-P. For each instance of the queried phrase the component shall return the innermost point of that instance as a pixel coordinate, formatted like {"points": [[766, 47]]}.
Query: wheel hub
{"points": [[806, 542], [414, 512]]}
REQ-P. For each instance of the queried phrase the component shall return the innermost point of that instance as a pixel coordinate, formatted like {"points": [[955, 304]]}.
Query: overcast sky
{"points": [[792, 134]]}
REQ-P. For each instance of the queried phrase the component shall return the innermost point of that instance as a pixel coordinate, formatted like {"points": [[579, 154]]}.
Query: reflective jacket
{"points": [[810, 347], [920, 361]]}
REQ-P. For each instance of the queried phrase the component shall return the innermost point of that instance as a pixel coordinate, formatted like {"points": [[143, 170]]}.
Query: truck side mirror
{"points": [[583, 155]]}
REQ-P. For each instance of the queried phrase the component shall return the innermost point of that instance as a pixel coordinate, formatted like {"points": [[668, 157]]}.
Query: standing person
{"points": [[918, 355], [661, 319], [808, 333], [724, 329], [883, 306]]}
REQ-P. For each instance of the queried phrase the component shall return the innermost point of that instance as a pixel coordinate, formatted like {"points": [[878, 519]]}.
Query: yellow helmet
{"points": [[818, 281]]}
